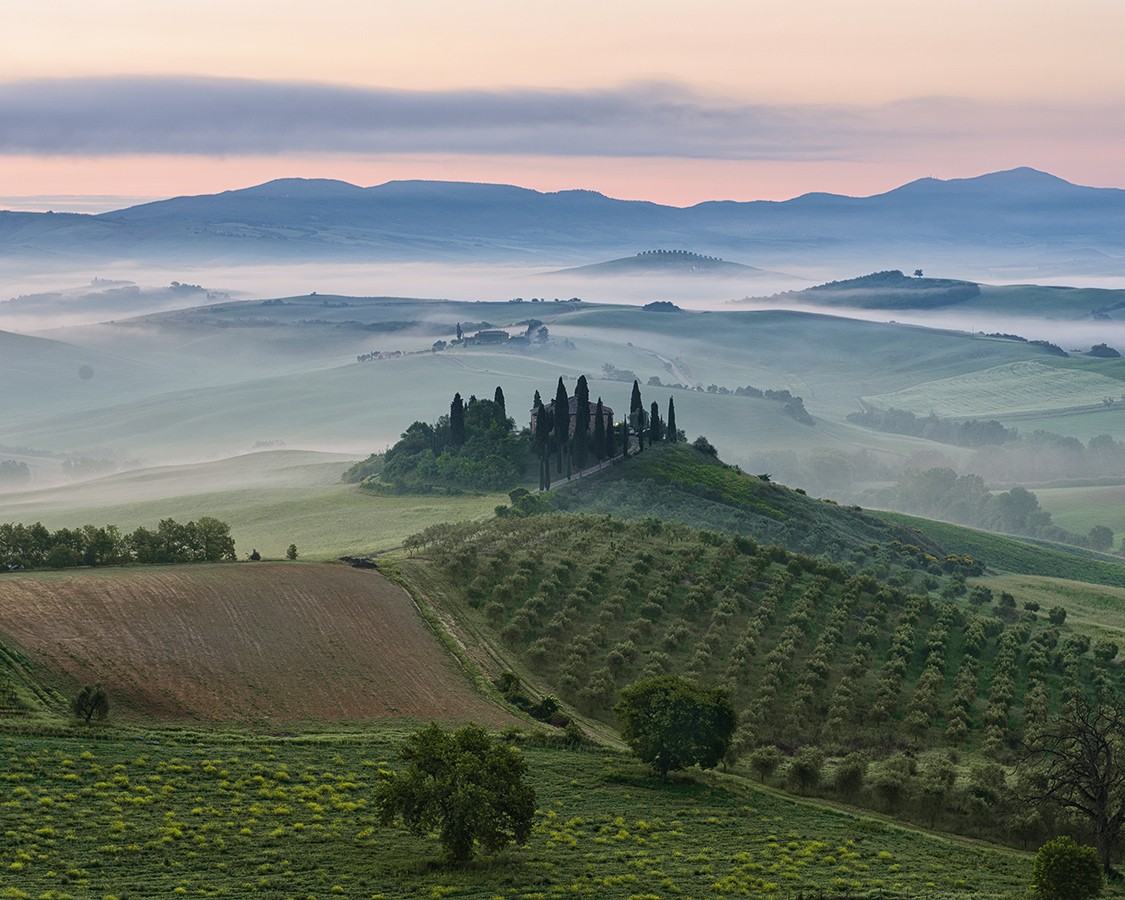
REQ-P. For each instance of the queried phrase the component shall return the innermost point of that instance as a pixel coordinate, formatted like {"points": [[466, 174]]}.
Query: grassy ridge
{"points": [[1018, 555], [678, 483]]}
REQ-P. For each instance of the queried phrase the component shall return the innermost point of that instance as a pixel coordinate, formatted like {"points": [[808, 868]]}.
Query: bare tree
{"points": [[1078, 763]]}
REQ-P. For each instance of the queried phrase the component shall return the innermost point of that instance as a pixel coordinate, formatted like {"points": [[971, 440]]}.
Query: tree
{"points": [[1079, 765], [255, 555], [851, 772], [562, 422], [655, 429], [581, 421], [1099, 538], [635, 403], [764, 761], [543, 335], [599, 431], [671, 723], [805, 768], [672, 436], [466, 785], [457, 421], [90, 703], [460, 333], [213, 539], [291, 551], [1065, 870], [1056, 615], [501, 409], [1105, 651]]}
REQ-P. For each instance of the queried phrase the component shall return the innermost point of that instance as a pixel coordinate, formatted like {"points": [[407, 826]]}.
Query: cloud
{"points": [[235, 117]]}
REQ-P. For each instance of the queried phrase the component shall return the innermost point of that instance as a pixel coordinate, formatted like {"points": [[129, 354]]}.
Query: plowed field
{"points": [[265, 642]]}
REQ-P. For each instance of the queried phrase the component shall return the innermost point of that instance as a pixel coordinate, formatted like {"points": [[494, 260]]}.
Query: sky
{"points": [[109, 103]]}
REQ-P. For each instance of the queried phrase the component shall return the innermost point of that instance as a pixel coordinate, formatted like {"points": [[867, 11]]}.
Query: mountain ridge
{"points": [[1014, 217]]}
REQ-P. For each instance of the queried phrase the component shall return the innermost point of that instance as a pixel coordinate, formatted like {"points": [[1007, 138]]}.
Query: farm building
{"points": [[607, 414]]}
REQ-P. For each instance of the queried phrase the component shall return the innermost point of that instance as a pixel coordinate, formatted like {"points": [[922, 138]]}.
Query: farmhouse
{"points": [[607, 414], [492, 336]]}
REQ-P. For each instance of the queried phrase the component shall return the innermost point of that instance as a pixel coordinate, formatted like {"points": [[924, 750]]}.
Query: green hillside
{"points": [[140, 813], [679, 483]]}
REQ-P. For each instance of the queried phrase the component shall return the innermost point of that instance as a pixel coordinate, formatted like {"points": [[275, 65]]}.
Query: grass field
{"points": [[1014, 388], [1020, 556], [1098, 609], [1079, 509], [270, 499], [267, 643], [145, 813]]}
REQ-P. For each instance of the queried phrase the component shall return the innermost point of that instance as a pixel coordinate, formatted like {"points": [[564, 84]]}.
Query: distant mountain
{"points": [[666, 262], [1020, 219]]}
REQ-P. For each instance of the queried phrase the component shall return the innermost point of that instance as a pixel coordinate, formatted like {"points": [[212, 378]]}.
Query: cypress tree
{"points": [[672, 435], [501, 411], [581, 442], [457, 421], [610, 441], [635, 403], [624, 440], [562, 421], [654, 430], [599, 432]]}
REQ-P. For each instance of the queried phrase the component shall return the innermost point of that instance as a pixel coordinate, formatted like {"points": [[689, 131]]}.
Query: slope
{"points": [[267, 643]]}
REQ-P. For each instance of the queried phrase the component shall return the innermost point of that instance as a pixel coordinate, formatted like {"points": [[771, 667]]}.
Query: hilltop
{"points": [[666, 262], [886, 290]]}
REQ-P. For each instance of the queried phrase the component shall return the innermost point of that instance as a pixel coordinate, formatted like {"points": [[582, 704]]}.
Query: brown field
{"points": [[267, 643]]}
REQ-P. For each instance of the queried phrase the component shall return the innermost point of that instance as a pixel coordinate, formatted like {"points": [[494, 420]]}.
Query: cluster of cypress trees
{"points": [[597, 439]]}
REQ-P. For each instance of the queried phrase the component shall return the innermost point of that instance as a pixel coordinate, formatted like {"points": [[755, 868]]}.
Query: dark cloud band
{"points": [[209, 116]]}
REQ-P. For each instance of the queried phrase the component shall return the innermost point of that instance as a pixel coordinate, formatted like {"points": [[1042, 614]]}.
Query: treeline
{"points": [[474, 447], [970, 433], [12, 471], [940, 493], [1035, 456], [35, 547]]}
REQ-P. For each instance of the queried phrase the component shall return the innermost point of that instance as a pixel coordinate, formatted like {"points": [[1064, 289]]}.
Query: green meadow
{"points": [[136, 813]]}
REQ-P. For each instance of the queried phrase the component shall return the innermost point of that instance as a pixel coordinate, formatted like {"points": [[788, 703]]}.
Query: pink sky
{"points": [[678, 104]]}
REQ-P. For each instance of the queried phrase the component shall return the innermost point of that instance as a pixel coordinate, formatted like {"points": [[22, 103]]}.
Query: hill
{"points": [[264, 643], [886, 290], [679, 483], [665, 262], [1020, 218]]}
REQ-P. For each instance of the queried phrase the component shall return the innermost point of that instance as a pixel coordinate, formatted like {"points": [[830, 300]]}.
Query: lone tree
{"points": [[1064, 870], [291, 551], [90, 703], [671, 722], [1079, 765], [466, 785]]}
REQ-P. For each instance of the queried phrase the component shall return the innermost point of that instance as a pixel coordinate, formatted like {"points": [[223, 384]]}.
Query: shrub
{"points": [[1065, 870]]}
